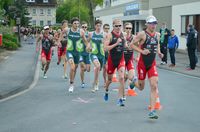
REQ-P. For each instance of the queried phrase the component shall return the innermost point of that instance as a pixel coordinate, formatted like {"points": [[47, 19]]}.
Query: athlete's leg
{"points": [[47, 67], [83, 69], [96, 71], [65, 65], [121, 81], [72, 70], [104, 73], [154, 89]]}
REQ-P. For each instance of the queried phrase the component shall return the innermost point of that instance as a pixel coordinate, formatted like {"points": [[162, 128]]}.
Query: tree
{"points": [[72, 8], [92, 4]]}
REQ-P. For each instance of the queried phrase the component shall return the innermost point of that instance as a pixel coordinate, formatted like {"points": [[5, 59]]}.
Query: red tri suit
{"points": [[47, 43], [128, 55], [147, 63], [116, 55]]}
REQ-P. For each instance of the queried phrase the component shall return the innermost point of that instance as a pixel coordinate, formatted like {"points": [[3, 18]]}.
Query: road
{"points": [[48, 107]]}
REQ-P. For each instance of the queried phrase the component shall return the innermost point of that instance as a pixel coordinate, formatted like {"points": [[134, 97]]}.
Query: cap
{"points": [[151, 19], [46, 27]]}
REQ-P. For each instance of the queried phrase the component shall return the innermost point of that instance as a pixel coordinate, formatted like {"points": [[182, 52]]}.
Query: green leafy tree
{"points": [[72, 8]]}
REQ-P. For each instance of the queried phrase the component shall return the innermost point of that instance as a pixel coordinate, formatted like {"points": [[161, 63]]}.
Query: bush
{"points": [[10, 42]]}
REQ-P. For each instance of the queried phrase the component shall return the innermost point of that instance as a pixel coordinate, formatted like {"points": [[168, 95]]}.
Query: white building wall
{"points": [[45, 17], [177, 12], [108, 19]]}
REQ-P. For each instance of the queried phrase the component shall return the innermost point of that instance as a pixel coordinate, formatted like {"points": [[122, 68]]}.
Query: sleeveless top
{"points": [[127, 52], [117, 52], [47, 43], [74, 41], [97, 45], [151, 44]]}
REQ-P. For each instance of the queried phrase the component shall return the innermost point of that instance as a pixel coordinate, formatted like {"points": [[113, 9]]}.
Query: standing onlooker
{"points": [[191, 46], [173, 44], [165, 33]]}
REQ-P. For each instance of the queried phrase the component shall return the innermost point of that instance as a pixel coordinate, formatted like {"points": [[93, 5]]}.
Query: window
{"points": [[30, 0], [34, 11], [189, 19], [41, 11], [107, 3], [45, 1], [48, 22], [33, 22], [41, 23], [49, 11]]}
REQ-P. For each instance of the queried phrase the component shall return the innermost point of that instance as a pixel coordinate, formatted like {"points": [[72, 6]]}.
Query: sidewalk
{"points": [[182, 61], [17, 70]]}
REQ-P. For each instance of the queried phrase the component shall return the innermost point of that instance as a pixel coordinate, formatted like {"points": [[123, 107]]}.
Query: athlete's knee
{"points": [[121, 78], [140, 86]]}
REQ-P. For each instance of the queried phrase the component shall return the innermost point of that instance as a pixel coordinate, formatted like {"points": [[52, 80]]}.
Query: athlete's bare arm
{"points": [[107, 41], [87, 44], [139, 40]]}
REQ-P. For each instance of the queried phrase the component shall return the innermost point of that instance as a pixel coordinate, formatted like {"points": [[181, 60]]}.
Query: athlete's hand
{"points": [[119, 40], [88, 49], [160, 55], [145, 52]]}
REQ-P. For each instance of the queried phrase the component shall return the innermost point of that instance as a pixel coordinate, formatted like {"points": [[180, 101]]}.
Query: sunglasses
{"points": [[107, 28], [118, 26], [128, 28], [76, 23], [152, 23], [84, 27]]}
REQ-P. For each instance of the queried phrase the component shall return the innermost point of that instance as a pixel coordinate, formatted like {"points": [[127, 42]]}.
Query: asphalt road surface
{"points": [[48, 107]]}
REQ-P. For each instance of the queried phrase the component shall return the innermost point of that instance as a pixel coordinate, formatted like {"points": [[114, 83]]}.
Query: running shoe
{"points": [[120, 102], [106, 96], [83, 85], [153, 115], [124, 98], [45, 76], [95, 88], [65, 76], [71, 88]]}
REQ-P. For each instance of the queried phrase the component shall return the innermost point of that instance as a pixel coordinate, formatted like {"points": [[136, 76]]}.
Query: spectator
{"points": [[192, 39], [165, 33], [173, 44]]}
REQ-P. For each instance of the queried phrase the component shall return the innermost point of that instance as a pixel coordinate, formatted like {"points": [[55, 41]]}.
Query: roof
{"points": [[41, 3]]}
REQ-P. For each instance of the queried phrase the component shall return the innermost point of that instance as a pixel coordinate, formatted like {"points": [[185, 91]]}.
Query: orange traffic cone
{"points": [[157, 105], [114, 79], [131, 92]]}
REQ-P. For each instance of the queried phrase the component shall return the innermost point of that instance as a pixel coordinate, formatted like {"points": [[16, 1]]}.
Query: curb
{"points": [[26, 83], [160, 67]]}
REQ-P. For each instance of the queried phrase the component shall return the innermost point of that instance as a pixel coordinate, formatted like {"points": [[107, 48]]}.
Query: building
{"points": [[134, 11], [42, 12], [177, 14]]}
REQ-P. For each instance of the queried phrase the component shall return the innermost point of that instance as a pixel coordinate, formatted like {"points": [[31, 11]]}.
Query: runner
{"points": [[106, 28], [63, 47], [149, 42], [97, 53], [128, 54], [84, 57], [74, 47], [46, 52], [115, 43]]}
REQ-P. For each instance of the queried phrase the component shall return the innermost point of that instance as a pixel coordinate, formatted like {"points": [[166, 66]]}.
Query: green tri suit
{"points": [[74, 46], [97, 48], [84, 55]]}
